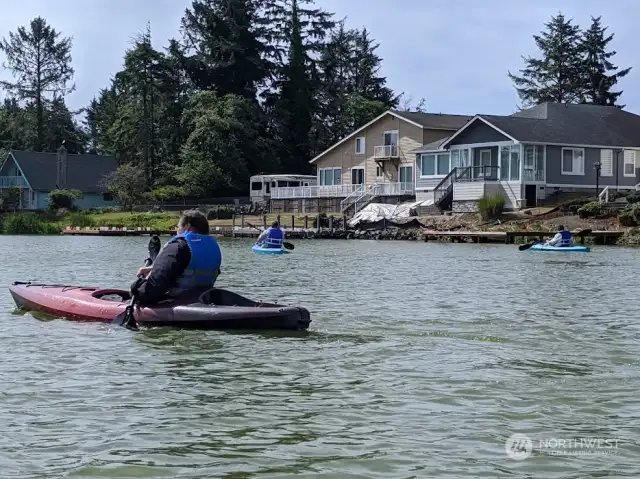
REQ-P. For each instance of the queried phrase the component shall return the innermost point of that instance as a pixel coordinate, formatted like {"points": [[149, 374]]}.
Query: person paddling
{"points": [[187, 266], [271, 237], [561, 239]]}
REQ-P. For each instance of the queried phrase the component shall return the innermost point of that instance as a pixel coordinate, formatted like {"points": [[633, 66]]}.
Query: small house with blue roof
{"points": [[36, 174]]}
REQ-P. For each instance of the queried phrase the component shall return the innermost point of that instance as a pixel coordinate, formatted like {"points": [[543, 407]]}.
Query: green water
{"points": [[421, 360]]}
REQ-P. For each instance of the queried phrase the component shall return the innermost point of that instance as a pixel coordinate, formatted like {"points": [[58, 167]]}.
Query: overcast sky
{"points": [[454, 53]]}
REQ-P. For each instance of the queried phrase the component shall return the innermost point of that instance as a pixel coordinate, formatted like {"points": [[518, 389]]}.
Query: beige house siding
{"points": [[410, 137]]}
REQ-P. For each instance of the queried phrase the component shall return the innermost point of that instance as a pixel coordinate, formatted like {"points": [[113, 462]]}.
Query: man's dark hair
{"points": [[196, 220], [560, 228], [275, 224]]}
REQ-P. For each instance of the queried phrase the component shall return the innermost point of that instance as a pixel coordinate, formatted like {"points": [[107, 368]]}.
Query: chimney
{"points": [[61, 169]]}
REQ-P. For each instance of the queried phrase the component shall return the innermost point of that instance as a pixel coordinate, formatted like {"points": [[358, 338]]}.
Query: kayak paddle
{"points": [[524, 247], [126, 318], [286, 244]]}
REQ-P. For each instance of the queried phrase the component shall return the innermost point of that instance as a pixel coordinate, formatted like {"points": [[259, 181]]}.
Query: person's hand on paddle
{"points": [[144, 271]]}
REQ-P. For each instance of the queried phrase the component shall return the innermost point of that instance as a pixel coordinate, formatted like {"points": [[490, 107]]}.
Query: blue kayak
{"points": [[260, 250], [564, 249]]}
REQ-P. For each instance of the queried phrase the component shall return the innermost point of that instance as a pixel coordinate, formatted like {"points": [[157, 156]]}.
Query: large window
{"points": [[573, 161], [629, 163], [434, 165], [510, 163], [330, 176]]}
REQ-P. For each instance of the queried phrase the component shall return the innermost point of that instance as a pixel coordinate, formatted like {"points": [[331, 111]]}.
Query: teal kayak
{"points": [[564, 249], [260, 250]]}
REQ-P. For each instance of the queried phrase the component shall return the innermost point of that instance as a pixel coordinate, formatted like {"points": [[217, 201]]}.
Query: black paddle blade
{"points": [[288, 245], [524, 247], [583, 232], [154, 247], [126, 319]]}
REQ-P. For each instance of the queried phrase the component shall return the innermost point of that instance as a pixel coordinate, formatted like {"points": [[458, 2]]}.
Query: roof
{"points": [[569, 124], [433, 121], [84, 172], [433, 146]]}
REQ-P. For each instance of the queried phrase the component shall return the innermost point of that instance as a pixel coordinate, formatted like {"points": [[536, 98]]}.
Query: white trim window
{"points": [[380, 171], [629, 163], [510, 163], [329, 176], [360, 145], [435, 165], [606, 162], [572, 161], [358, 175]]}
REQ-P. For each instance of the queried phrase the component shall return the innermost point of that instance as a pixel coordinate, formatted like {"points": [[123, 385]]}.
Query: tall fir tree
{"points": [[599, 73], [224, 51], [292, 101], [40, 61], [556, 76]]}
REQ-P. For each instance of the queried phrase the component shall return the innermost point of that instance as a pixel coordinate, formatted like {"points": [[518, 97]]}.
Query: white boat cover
{"points": [[378, 211]]}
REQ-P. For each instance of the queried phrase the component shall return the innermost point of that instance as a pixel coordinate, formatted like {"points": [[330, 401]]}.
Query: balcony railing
{"points": [[386, 151], [533, 175], [334, 191], [394, 189], [480, 173], [12, 181]]}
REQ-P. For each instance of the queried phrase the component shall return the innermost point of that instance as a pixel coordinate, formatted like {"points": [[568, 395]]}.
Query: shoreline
{"points": [[458, 228]]}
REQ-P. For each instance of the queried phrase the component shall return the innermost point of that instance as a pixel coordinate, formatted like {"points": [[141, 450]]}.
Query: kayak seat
{"points": [[112, 295], [222, 297]]}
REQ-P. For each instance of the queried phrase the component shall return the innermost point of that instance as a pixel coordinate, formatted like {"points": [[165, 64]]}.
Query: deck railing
{"points": [[333, 191], [386, 151], [13, 181]]}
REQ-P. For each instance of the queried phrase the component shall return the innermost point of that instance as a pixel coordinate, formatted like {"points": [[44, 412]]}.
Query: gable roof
{"points": [[567, 124], [84, 172], [433, 146], [433, 121]]}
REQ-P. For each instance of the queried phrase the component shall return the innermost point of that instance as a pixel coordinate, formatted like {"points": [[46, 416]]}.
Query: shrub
{"points": [[224, 213], [491, 206], [27, 224], [167, 193], [592, 209], [630, 216], [81, 220], [63, 199], [633, 197]]}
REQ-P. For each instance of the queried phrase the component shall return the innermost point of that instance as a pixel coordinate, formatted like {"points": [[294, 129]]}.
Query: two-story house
{"points": [[375, 162], [530, 155]]}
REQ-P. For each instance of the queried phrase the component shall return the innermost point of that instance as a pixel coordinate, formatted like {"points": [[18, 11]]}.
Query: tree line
{"points": [[250, 86]]}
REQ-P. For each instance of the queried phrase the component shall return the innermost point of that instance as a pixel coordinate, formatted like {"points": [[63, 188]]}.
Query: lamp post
{"points": [[597, 166]]}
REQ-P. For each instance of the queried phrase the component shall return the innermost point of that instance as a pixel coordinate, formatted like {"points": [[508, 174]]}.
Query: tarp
{"points": [[393, 215]]}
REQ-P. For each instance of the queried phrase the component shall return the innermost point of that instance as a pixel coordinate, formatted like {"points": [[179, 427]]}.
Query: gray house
{"points": [[530, 155]]}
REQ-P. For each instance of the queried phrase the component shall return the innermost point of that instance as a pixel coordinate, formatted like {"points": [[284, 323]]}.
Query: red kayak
{"points": [[214, 309]]}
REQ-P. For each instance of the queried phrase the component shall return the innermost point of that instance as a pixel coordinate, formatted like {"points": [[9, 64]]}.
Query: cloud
{"points": [[456, 54]]}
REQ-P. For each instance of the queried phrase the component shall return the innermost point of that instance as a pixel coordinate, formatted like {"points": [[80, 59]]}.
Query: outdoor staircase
{"points": [[359, 199], [443, 192]]}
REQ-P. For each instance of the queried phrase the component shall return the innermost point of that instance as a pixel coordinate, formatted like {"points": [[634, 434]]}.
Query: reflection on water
{"points": [[421, 360]]}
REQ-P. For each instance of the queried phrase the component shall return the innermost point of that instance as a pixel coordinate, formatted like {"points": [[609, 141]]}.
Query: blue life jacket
{"points": [[204, 267], [566, 238], [274, 238]]}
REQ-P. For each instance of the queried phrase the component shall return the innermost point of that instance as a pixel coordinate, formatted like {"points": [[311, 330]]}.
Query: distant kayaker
{"points": [[271, 237], [187, 266], [562, 238]]}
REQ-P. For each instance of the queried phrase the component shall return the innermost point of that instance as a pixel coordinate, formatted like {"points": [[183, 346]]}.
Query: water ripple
{"points": [[422, 359]]}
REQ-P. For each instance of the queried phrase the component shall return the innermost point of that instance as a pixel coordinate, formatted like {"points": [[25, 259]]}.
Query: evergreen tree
{"points": [[226, 53], [556, 77], [600, 75], [41, 63]]}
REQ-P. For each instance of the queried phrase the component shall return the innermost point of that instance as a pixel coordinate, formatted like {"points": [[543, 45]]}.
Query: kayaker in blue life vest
{"points": [[562, 238], [271, 237], [187, 266]]}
